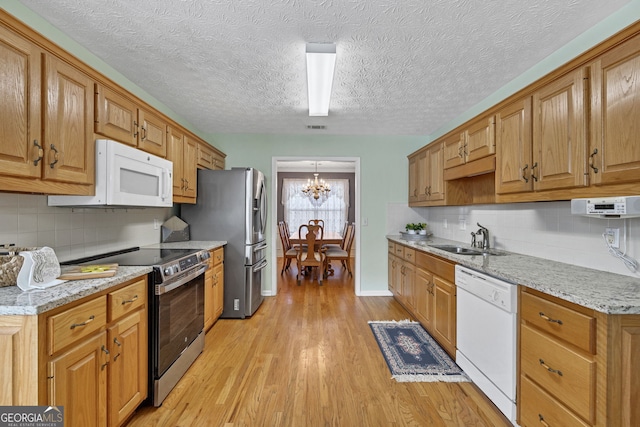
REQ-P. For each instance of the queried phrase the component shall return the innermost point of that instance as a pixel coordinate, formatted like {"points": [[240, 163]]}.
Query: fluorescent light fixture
{"points": [[321, 63]]}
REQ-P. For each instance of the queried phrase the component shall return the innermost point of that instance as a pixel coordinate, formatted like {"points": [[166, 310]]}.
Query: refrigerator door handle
{"points": [[259, 248], [262, 265]]}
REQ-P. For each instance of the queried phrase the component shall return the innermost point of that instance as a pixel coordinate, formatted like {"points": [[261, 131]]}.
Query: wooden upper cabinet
{"points": [[559, 133], [68, 124], [513, 154], [479, 139], [175, 153], [422, 172], [413, 179], [209, 158], [426, 180], [20, 92], [116, 116], [475, 142], [614, 154], [152, 136], [183, 152], [189, 166], [454, 150], [434, 173], [121, 119]]}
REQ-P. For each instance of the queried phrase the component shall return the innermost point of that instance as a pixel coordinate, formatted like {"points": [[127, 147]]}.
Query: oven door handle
{"points": [[262, 265], [164, 288]]}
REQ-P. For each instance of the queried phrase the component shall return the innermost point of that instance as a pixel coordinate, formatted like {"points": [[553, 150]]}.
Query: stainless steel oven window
{"points": [[180, 320]]}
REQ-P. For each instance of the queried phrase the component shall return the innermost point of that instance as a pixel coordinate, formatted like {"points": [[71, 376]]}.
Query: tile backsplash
{"points": [[27, 220], [543, 229]]}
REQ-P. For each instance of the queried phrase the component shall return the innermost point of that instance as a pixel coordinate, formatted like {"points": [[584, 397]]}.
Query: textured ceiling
{"points": [[404, 67]]}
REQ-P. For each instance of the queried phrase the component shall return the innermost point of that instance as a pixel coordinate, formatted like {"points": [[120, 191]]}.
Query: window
{"points": [[299, 208]]}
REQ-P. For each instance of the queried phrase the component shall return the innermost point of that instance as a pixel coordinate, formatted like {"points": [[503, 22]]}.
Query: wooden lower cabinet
{"points": [[444, 319], [214, 288], [78, 381], [424, 285], [424, 288], [128, 376], [578, 367], [89, 356]]}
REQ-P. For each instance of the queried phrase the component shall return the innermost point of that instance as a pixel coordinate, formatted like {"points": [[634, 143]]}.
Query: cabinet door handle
{"points": [[89, 320], [116, 357], [118, 343], [535, 165], [40, 152], [135, 125], [549, 368], [542, 421], [129, 301], [104, 349], [549, 319], [523, 173], [144, 133], [55, 156], [460, 151], [592, 160]]}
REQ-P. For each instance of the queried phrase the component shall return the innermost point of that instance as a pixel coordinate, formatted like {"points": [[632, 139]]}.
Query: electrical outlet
{"points": [[446, 223], [613, 236], [462, 223]]}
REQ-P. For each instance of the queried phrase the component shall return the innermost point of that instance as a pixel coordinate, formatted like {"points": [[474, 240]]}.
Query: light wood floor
{"points": [[308, 358]]}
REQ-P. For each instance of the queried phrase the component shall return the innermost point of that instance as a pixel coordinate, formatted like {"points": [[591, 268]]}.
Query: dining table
{"points": [[330, 237]]}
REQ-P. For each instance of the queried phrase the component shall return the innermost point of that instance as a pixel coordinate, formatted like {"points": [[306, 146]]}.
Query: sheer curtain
{"points": [[300, 208]]}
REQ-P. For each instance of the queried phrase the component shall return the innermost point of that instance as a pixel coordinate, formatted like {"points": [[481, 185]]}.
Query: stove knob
{"points": [[495, 295], [168, 271], [204, 256]]}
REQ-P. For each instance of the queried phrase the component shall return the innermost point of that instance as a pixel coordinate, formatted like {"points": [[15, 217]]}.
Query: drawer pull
{"points": [[105, 350], [129, 301], [90, 319], [549, 368], [118, 343], [542, 421], [548, 319]]}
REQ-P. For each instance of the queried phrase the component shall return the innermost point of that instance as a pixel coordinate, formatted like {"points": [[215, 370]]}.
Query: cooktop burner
{"points": [[137, 257]]}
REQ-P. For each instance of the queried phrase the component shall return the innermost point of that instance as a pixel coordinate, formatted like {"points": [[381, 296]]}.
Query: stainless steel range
{"points": [[176, 310]]}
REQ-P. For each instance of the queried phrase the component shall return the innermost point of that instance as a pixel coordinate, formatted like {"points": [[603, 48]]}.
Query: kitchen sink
{"points": [[460, 250]]}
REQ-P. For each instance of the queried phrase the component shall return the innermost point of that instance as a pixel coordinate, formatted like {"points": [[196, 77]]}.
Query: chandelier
{"points": [[317, 188]]}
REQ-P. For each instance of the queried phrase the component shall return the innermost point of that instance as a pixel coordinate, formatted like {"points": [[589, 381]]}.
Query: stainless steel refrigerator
{"points": [[232, 206]]}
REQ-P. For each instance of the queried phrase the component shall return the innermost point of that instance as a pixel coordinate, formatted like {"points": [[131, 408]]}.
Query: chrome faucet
{"points": [[473, 240], [485, 236]]}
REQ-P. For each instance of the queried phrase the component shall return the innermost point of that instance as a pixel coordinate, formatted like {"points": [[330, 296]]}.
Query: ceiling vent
{"points": [[316, 127]]}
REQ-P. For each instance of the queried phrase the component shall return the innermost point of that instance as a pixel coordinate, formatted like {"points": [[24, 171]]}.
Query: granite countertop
{"points": [[599, 290], [189, 244], [15, 301]]}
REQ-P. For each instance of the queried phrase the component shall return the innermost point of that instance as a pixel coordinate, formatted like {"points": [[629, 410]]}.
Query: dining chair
{"points": [[341, 244], [342, 254], [288, 251], [313, 256], [319, 222]]}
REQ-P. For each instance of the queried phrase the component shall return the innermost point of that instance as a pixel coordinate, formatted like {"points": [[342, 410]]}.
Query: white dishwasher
{"points": [[486, 335]]}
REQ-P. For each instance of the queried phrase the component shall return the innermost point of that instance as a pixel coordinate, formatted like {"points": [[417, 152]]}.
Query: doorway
{"points": [[307, 165]]}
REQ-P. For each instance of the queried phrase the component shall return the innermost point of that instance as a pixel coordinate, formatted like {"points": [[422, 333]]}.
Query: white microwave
{"points": [[126, 176]]}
